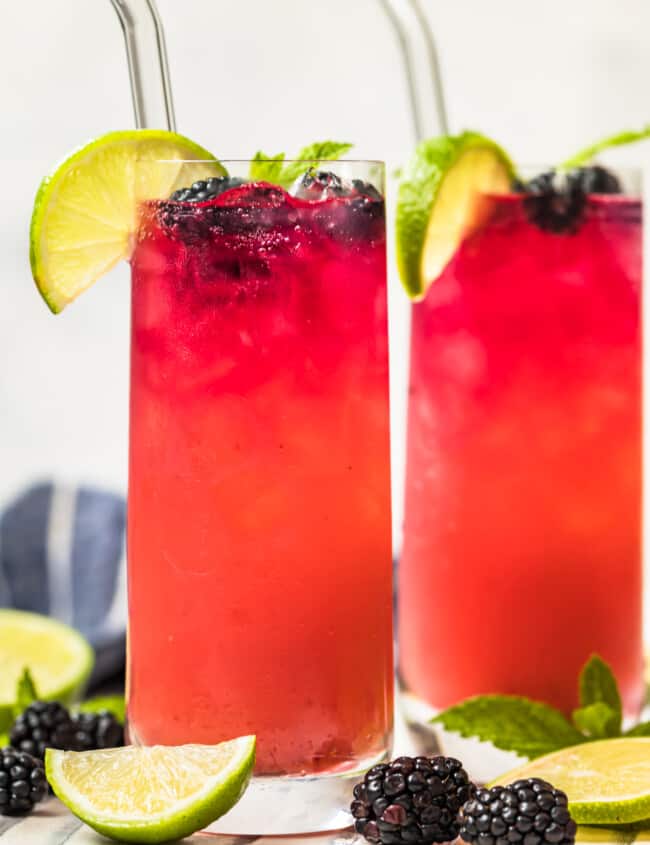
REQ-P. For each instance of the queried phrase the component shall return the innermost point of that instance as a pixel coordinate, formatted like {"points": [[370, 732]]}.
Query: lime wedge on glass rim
{"points": [[151, 794], [85, 212], [606, 781], [436, 202], [58, 658]]}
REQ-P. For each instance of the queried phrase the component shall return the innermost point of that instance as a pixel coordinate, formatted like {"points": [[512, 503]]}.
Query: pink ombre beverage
{"points": [[522, 549], [259, 504]]}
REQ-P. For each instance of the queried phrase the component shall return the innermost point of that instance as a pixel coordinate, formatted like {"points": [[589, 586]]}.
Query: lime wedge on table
{"points": [[58, 657], [85, 212], [607, 782], [436, 203], [153, 794]]}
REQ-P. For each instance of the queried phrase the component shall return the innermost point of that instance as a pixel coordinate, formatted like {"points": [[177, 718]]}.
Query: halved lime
{"points": [[58, 657], [607, 782], [154, 794], [436, 203], [85, 212]]}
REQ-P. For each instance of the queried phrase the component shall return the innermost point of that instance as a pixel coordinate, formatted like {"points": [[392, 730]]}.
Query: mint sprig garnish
{"points": [[272, 168], [618, 140], [600, 714], [533, 728], [512, 723]]}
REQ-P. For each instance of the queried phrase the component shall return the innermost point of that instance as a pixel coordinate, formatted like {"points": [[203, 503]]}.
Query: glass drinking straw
{"points": [[151, 88]]}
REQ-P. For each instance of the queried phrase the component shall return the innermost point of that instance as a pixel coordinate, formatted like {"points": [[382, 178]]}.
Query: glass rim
{"points": [[373, 161]]}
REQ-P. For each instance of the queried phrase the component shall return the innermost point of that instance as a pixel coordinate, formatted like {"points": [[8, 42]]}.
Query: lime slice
{"points": [[58, 657], [154, 794], [436, 203], [607, 782], [85, 212]]}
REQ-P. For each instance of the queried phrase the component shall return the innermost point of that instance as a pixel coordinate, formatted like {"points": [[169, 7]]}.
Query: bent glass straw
{"points": [[151, 88]]}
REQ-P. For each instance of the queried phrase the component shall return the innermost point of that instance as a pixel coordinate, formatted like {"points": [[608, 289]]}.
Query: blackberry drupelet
{"points": [[530, 812], [207, 189], [97, 730], [22, 782], [413, 800], [44, 724], [556, 202]]}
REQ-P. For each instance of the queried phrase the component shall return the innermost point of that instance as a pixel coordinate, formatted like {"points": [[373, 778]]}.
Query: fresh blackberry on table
{"points": [[43, 724], [22, 782], [97, 730], [413, 800], [530, 812], [207, 189]]}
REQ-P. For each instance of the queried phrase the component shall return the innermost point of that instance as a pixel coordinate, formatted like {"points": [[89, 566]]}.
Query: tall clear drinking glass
{"points": [[522, 547], [259, 489]]}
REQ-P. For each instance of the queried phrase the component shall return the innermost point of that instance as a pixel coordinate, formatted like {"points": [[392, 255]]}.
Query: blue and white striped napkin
{"points": [[62, 554]]}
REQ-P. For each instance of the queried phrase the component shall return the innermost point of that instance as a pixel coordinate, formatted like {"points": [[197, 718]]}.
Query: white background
{"points": [[542, 78]]}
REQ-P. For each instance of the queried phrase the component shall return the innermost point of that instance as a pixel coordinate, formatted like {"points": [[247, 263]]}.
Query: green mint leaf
{"points": [[598, 720], [598, 684], [320, 151], [618, 140], [642, 729], [25, 692], [266, 168], [530, 728], [113, 703]]}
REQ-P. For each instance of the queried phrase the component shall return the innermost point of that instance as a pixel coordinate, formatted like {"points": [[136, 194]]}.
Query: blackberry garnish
{"points": [[207, 189], [556, 202], [413, 800], [529, 811], [598, 180], [22, 782], [44, 724], [97, 730]]}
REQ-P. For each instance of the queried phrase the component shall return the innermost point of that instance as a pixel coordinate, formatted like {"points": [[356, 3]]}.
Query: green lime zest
{"points": [[621, 139], [272, 168]]}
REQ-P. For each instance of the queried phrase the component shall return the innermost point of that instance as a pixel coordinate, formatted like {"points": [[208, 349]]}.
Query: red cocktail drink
{"points": [[522, 549], [259, 498]]}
